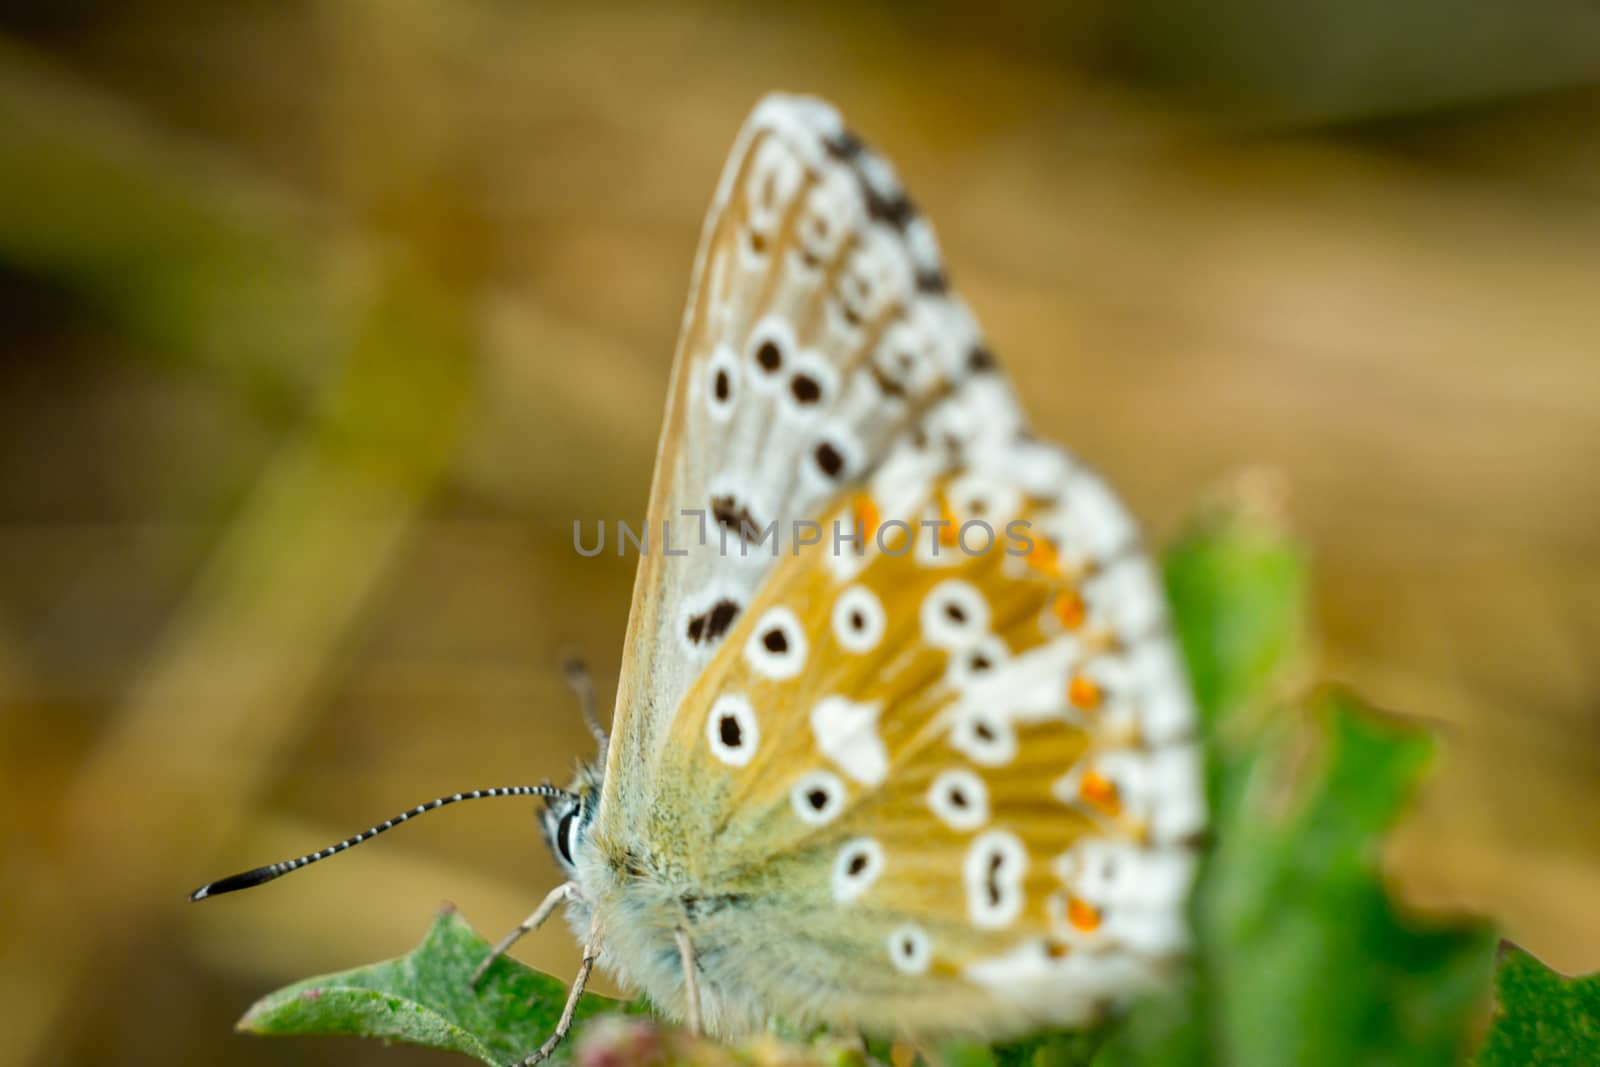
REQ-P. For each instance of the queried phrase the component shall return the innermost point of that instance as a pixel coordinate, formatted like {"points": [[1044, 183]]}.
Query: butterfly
{"points": [[902, 742]]}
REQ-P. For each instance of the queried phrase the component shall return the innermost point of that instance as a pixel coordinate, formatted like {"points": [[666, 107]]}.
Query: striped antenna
{"points": [[277, 870]]}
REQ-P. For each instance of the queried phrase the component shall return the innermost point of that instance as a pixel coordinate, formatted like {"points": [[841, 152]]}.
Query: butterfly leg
{"points": [[556, 897], [691, 982], [591, 951]]}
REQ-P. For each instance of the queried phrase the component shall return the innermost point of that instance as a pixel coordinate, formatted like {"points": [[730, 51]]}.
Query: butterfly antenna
{"points": [[261, 875], [578, 678]]}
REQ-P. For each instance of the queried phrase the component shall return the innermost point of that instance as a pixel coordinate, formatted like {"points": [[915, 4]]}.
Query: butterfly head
{"points": [[567, 817]]}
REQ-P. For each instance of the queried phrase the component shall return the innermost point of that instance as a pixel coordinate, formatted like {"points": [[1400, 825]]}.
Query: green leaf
{"points": [[965, 1054], [1302, 957], [1237, 585], [1317, 964], [425, 998], [1541, 1019], [1068, 1049]]}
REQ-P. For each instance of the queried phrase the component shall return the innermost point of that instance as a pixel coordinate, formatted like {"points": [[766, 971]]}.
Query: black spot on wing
{"points": [[735, 517], [843, 145], [709, 626], [896, 208], [829, 459], [721, 618]]}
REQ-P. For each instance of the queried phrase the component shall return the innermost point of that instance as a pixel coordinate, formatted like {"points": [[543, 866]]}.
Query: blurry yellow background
{"points": [[324, 321]]}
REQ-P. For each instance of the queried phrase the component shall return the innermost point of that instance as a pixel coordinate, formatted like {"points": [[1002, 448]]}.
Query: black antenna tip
{"points": [[235, 882]]}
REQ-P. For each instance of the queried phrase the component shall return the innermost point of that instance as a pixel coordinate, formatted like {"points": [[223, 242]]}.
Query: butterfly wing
{"points": [[944, 782], [818, 327], [949, 789]]}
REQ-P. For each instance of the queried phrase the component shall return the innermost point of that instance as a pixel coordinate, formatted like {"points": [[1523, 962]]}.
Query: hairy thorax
{"points": [[641, 899]]}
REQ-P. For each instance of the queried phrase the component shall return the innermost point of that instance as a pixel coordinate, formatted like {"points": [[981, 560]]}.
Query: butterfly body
{"points": [[902, 743]]}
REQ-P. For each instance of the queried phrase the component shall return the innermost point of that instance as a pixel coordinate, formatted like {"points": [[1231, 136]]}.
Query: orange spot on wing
{"points": [[1083, 915], [1084, 693], [1070, 609], [867, 516], [1100, 792], [950, 532], [1045, 557]]}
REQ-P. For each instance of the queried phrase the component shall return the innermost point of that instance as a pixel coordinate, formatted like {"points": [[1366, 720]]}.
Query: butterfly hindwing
{"points": [[968, 773]]}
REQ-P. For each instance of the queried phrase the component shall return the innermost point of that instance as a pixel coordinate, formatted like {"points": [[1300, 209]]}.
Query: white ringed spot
{"points": [[732, 730], [858, 866], [909, 949], [777, 646], [993, 873], [858, 619], [818, 797], [954, 614], [977, 661], [985, 738], [960, 800]]}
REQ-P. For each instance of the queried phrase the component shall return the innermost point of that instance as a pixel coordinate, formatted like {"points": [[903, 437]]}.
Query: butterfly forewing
{"points": [[926, 766], [817, 330]]}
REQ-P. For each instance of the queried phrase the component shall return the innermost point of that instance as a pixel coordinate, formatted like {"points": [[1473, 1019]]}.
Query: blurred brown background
{"points": [[324, 320]]}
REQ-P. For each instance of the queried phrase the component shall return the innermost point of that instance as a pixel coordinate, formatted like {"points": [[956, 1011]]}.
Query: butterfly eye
{"points": [[960, 799], [817, 797], [567, 837], [954, 614], [910, 950], [858, 619], [777, 648], [858, 866], [993, 873], [731, 729]]}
